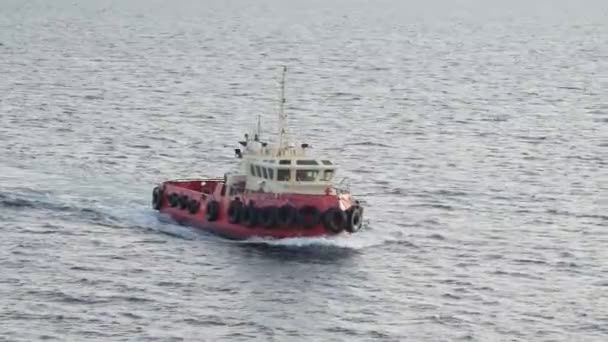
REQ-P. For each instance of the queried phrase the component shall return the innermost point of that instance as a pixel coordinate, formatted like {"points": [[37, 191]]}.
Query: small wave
{"points": [[60, 296], [516, 275], [395, 191], [84, 268], [130, 299], [7, 201], [169, 284], [570, 88], [368, 143], [449, 193], [436, 237], [16, 202], [428, 222], [531, 139], [142, 146], [56, 206], [450, 296], [131, 315], [446, 319], [455, 282], [433, 205], [343, 94], [207, 322], [44, 231], [567, 213], [401, 243], [467, 337], [530, 261], [566, 264], [342, 331], [93, 97]]}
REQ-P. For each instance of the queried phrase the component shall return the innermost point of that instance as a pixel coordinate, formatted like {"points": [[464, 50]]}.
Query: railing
{"points": [[183, 180], [343, 187]]}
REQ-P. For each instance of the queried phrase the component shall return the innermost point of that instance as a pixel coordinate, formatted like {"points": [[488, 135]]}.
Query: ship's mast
{"points": [[259, 128], [282, 116]]}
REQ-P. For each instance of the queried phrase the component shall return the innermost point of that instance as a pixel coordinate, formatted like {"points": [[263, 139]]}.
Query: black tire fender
{"points": [[184, 201], [268, 216], [212, 210], [308, 216], [234, 211], [334, 220], [173, 200], [194, 206], [287, 215], [355, 220], [249, 215], [157, 198]]}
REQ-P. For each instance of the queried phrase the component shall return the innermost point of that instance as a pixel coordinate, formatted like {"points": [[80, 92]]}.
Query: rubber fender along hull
{"points": [[250, 215], [239, 232]]}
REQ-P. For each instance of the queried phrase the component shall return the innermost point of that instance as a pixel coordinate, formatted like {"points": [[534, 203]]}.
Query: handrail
{"points": [[340, 189], [196, 180]]}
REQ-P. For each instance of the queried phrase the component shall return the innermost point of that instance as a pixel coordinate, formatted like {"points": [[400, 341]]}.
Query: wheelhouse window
{"points": [[327, 175], [283, 175], [307, 162], [270, 173], [285, 162], [258, 171], [326, 162], [265, 173], [252, 170], [306, 175]]}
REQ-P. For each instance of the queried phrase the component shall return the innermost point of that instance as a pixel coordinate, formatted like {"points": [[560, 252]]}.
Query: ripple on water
{"points": [[484, 189]]}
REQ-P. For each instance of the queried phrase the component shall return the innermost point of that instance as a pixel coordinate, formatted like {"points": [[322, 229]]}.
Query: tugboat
{"points": [[280, 191]]}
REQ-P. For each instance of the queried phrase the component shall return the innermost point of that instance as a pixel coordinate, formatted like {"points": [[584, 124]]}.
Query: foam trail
{"points": [[357, 241], [151, 220], [148, 219]]}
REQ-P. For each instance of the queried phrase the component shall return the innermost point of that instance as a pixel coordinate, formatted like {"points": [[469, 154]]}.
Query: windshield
{"points": [[306, 175]]}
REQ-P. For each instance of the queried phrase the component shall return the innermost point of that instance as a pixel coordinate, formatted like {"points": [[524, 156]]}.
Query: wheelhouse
{"points": [[292, 170], [295, 175]]}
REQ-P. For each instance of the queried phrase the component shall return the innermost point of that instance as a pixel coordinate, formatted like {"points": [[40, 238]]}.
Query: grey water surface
{"points": [[476, 132]]}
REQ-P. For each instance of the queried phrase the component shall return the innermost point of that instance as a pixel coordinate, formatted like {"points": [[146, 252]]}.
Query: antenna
{"points": [[282, 115], [259, 128]]}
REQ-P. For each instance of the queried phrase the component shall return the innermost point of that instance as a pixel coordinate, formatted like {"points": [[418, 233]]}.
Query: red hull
{"points": [[199, 192]]}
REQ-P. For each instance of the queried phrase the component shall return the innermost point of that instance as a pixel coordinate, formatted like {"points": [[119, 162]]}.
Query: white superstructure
{"points": [[284, 168]]}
